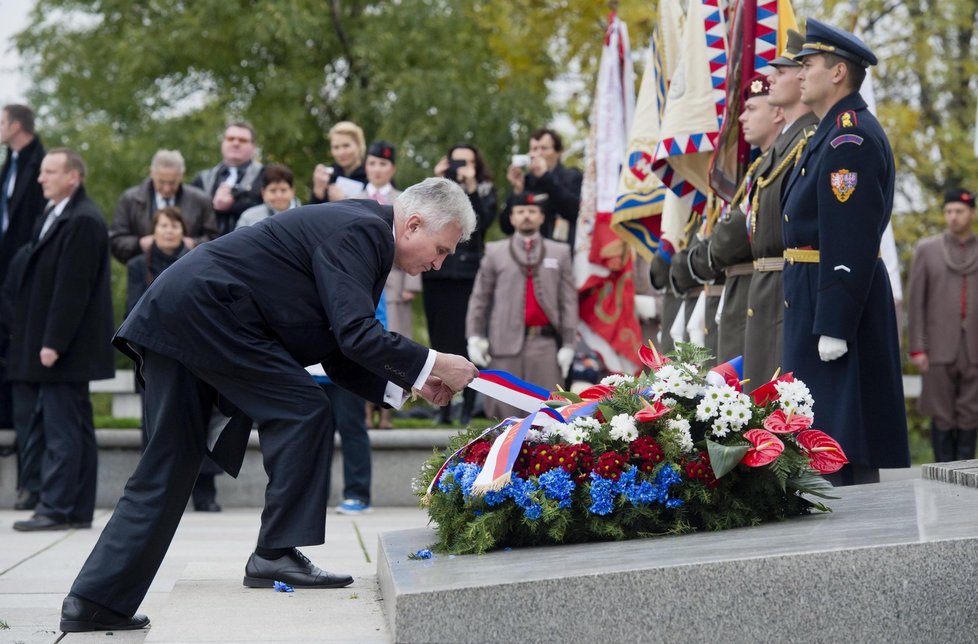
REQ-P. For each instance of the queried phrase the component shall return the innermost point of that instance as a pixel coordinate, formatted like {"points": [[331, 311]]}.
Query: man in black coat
{"points": [[233, 324], [21, 202], [234, 184], [840, 332], [60, 340], [545, 174]]}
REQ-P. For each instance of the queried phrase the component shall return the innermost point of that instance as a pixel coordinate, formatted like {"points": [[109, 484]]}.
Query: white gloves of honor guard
{"points": [[478, 350], [645, 308], [831, 348], [565, 358]]}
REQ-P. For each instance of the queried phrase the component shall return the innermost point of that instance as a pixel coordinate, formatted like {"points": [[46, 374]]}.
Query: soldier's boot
{"points": [[943, 443], [966, 444]]}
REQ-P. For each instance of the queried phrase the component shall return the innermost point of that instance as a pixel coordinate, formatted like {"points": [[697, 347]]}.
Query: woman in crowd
{"points": [[446, 291], [277, 194], [348, 147]]}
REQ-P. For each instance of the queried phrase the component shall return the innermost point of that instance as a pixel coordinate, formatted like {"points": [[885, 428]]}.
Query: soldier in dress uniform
{"points": [[943, 328], [840, 333], [728, 253], [765, 301]]}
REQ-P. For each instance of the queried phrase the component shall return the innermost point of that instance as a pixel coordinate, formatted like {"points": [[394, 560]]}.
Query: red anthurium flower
{"points": [[651, 358], [595, 392], [824, 453], [767, 393], [767, 448], [781, 423], [648, 413]]}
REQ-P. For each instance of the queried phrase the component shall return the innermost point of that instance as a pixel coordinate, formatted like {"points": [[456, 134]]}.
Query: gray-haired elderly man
{"points": [[234, 323], [132, 226]]}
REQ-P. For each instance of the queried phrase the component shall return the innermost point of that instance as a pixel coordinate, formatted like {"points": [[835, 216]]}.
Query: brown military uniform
{"points": [[765, 298]]}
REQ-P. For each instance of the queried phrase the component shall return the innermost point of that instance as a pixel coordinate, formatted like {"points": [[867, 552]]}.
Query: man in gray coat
{"points": [[522, 314], [943, 328], [132, 225]]}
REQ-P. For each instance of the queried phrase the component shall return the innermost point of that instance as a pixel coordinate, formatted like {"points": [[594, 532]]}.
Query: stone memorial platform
{"points": [[894, 562]]}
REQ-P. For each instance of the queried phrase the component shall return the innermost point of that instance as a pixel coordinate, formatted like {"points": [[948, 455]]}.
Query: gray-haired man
{"points": [[132, 228], [234, 323]]}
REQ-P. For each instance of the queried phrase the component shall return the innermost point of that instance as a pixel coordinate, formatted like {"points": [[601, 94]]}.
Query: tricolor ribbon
{"points": [[507, 388]]}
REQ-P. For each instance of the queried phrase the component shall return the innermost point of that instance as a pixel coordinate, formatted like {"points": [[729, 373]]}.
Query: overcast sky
{"points": [[13, 86]]}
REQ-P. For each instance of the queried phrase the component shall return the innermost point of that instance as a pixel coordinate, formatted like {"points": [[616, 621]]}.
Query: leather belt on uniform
{"points": [[544, 331], [804, 256], [744, 268], [769, 264], [713, 290]]}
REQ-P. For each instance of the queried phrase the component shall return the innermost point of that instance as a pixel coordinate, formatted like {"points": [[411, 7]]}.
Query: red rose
{"points": [[646, 449], [477, 452]]}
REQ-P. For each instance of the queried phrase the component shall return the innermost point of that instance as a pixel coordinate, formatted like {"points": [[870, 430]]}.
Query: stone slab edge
{"points": [[956, 472], [887, 593]]}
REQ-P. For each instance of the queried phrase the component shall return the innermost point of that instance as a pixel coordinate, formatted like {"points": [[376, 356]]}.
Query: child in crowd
{"points": [[277, 193]]}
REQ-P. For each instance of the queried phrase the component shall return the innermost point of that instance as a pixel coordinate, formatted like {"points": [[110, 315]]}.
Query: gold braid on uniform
{"points": [[763, 182], [743, 184]]}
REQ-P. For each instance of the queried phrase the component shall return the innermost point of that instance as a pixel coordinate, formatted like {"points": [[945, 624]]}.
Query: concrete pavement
{"points": [[197, 595]]}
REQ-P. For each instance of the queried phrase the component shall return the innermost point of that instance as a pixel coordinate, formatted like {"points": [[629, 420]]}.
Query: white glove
{"points": [[831, 348], [478, 350], [565, 358], [645, 307]]}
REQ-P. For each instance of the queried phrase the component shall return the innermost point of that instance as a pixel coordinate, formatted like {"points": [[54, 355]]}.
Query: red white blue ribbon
{"points": [[507, 388]]}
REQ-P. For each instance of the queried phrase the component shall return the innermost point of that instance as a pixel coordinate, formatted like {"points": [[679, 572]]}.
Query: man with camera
{"points": [[234, 184], [541, 172]]}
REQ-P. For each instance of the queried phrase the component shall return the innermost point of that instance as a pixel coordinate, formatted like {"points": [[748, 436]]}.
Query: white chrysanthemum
{"points": [[795, 398], [623, 428], [553, 429], [587, 423], [720, 428], [617, 379], [706, 409], [735, 413], [574, 434], [670, 402], [534, 436], [680, 428]]}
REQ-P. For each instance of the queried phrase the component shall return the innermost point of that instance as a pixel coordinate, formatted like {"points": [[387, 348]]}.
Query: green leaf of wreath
{"points": [[810, 483], [724, 458]]}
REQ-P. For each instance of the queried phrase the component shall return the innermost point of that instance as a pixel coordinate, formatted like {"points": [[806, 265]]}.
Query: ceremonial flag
{"points": [[450, 459], [602, 261], [498, 469], [694, 105], [638, 210]]}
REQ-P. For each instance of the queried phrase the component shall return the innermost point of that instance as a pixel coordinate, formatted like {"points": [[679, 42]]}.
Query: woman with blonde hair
{"points": [[348, 147]]}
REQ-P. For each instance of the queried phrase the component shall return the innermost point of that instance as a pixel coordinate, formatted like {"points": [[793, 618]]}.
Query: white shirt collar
{"points": [[371, 190], [61, 205]]}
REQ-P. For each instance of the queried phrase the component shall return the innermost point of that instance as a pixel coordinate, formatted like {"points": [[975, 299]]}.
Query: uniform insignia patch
{"points": [[846, 119], [846, 138], [843, 184]]}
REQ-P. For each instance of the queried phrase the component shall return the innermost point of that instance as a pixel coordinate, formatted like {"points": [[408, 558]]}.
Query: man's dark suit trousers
{"points": [[293, 416]]}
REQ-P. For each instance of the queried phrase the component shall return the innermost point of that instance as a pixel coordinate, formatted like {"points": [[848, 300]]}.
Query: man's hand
{"points": [[538, 166], [920, 361], [830, 348], [516, 178], [478, 350], [145, 243], [565, 358], [436, 392], [454, 371], [48, 356], [223, 199]]}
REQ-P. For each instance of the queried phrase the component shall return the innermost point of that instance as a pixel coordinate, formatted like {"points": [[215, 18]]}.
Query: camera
{"points": [[521, 160], [452, 171]]}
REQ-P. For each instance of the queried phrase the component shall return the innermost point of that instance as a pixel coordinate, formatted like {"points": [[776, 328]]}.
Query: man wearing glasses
{"points": [[234, 184]]}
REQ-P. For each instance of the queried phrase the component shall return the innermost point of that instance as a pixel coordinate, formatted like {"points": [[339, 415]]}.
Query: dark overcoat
{"points": [[295, 289], [63, 300], [838, 201], [26, 203]]}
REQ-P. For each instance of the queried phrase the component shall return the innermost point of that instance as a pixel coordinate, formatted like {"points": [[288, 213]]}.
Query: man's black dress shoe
{"points": [[26, 500], [293, 569], [80, 616], [40, 522]]}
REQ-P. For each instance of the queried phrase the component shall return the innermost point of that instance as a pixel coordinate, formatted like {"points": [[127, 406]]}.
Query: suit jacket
{"points": [[63, 300], [293, 290], [838, 201], [26, 203], [765, 298], [246, 192], [562, 185], [934, 299], [498, 301], [134, 217]]}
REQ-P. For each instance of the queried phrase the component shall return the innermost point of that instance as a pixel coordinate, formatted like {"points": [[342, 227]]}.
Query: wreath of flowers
{"points": [[666, 452]]}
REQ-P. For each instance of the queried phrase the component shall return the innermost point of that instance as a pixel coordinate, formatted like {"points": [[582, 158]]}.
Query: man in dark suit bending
{"points": [[232, 324]]}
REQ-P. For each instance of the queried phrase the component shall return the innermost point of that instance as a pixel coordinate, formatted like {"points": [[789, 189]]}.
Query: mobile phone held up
{"points": [[452, 171]]}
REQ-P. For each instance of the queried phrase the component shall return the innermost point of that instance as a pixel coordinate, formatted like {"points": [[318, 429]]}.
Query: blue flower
{"points": [[558, 486], [602, 499], [520, 491], [496, 497], [674, 503], [282, 587], [424, 553], [533, 512]]}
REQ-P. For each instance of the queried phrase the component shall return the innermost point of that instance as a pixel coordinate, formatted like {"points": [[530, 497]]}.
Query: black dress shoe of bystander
{"points": [[81, 616], [293, 569]]}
